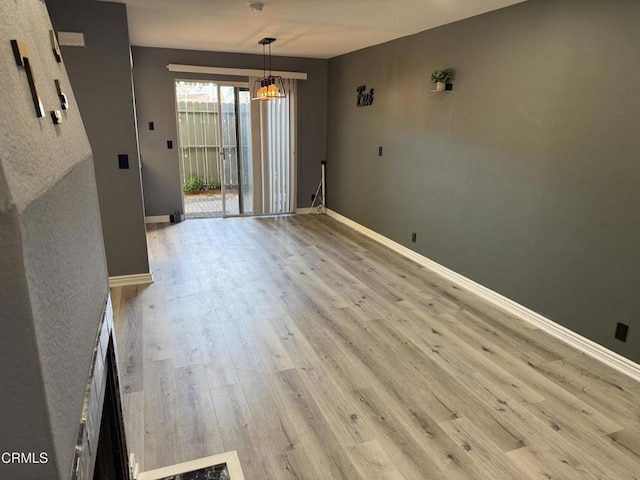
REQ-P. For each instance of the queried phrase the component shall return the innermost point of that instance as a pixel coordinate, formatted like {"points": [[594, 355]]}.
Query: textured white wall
{"points": [[35, 153], [53, 280]]}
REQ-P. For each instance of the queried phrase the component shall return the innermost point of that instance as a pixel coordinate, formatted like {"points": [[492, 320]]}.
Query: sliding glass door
{"points": [[214, 131], [236, 152], [231, 165]]}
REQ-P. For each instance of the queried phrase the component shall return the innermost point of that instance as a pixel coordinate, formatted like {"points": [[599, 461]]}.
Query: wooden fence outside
{"points": [[200, 141]]}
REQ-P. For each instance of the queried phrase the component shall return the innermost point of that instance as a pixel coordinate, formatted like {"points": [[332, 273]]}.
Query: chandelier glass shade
{"points": [[269, 86]]}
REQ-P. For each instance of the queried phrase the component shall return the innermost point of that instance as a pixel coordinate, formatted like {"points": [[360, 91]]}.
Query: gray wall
{"points": [[155, 102], [101, 77], [53, 275], [525, 177]]}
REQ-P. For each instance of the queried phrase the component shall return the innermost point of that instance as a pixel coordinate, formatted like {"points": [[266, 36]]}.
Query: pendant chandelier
{"points": [[269, 86]]}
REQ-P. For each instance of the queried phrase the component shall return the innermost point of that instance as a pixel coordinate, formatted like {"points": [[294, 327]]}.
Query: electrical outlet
{"points": [[414, 237], [123, 161], [379, 151], [152, 126], [621, 331]]}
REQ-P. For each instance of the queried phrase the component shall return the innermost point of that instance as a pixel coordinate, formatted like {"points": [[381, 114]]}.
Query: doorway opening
{"points": [[237, 156], [214, 134]]}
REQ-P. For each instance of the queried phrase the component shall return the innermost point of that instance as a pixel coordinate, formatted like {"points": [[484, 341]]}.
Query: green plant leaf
{"points": [[444, 76], [194, 184]]}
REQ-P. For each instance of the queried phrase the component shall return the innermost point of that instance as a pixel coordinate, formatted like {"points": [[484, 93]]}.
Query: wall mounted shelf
{"points": [[448, 87]]}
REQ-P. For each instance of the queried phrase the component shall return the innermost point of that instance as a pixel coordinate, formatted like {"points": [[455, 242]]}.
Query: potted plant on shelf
{"points": [[442, 77]]}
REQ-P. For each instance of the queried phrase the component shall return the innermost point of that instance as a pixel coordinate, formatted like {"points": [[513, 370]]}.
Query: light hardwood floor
{"points": [[317, 353]]}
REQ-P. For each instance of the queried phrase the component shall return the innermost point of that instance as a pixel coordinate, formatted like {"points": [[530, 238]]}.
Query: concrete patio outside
{"points": [[209, 205]]}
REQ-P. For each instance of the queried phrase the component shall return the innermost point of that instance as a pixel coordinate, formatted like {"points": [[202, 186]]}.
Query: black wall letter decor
{"points": [[364, 99], [55, 46], [64, 101], [56, 116], [21, 54]]}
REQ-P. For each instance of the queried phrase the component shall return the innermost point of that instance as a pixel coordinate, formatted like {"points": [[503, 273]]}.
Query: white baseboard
{"points": [[162, 219], [310, 211], [591, 348], [157, 219], [128, 280]]}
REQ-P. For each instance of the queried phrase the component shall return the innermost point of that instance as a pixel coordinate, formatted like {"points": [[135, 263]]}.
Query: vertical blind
{"points": [[277, 127]]}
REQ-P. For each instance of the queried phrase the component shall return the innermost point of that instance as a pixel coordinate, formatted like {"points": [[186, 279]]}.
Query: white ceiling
{"points": [[305, 28]]}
